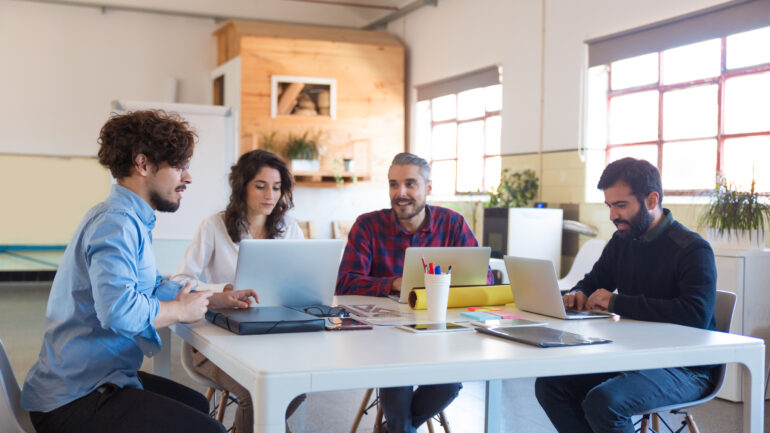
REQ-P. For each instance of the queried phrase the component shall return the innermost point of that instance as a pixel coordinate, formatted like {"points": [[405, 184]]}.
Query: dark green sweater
{"points": [[666, 275]]}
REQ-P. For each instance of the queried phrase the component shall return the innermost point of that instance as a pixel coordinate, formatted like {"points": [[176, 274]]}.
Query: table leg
{"points": [[271, 398], [493, 395], [753, 393], [161, 362]]}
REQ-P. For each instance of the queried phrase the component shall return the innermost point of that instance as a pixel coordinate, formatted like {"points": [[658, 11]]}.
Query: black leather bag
{"points": [[264, 320]]}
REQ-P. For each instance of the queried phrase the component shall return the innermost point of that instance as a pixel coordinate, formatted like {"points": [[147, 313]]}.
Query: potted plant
{"points": [[515, 190], [303, 151], [735, 219]]}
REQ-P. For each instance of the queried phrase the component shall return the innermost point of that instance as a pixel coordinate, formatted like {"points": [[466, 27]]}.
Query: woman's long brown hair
{"points": [[243, 172]]}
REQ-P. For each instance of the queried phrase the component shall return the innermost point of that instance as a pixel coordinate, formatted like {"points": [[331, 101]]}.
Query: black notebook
{"points": [[264, 320], [541, 336]]}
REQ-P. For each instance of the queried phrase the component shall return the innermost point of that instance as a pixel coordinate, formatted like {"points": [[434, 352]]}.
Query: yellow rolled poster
{"points": [[466, 296]]}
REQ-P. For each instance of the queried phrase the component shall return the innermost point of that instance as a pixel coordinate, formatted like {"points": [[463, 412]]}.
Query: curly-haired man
{"points": [[107, 299]]}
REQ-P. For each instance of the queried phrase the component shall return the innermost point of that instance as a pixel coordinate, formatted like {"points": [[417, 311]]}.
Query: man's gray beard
{"points": [[413, 214]]}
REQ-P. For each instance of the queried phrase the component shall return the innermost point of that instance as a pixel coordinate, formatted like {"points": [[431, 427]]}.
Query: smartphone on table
{"points": [[345, 324]]}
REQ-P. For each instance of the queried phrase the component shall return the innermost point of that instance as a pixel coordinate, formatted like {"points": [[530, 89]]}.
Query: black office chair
{"points": [[723, 313]]}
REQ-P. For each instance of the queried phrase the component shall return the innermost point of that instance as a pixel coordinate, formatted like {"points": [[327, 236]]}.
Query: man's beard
{"points": [[163, 205], [418, 208], [638, 224]]}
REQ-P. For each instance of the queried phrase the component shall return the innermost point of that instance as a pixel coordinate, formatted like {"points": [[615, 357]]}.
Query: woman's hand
{"points": [[233, 298]]}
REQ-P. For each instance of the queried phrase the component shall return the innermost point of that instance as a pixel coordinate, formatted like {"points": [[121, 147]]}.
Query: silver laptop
{"points": [[290, 273], [469, 266], [536, 289]]}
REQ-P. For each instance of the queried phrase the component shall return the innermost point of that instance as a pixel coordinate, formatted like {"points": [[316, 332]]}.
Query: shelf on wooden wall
{"points": [[325, 179]]}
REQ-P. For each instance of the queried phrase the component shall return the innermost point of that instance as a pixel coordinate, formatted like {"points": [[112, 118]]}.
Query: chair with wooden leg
{"points": [[218, 408], [649, 423], [366, 404]]}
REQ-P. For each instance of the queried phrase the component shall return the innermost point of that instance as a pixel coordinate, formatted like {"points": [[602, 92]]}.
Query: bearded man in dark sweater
{"points": [[663, 272]]}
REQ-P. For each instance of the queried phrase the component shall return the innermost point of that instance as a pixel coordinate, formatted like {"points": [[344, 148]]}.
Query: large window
{"points": [[694, 110], [458, 131]]}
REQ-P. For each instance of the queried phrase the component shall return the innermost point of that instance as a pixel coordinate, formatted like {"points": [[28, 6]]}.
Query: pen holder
{"points": [[437, 296]]}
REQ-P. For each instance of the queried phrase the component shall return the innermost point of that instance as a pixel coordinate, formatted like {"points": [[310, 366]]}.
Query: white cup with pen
{"points": [[437, 291]]}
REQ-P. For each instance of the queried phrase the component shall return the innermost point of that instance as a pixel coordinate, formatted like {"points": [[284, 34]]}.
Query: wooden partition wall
{"points": [[368, 67]]}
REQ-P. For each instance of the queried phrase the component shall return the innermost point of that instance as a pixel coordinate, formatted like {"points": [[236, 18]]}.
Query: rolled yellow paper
{"points": [[466, 296]]}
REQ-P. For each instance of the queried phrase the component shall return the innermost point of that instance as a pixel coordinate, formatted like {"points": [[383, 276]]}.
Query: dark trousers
{"points": [[605, 402], [406, 409], [163, 406]]}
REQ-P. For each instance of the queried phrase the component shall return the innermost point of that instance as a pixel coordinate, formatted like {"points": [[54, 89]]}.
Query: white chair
{"points": [[211, 387], [13, 419], [584, 260], [723, 314]]}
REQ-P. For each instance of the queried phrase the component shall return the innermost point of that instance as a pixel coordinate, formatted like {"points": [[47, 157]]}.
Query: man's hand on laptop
{"points": [[575, 300], [395, 287], [234, 299], [599, 300]]}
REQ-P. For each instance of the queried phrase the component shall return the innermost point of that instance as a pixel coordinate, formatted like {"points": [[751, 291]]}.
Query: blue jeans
{"points": [[605, 402], [406, 409]]}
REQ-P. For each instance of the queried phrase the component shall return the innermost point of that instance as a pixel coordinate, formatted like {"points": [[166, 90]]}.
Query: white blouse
{"points": [[210, 260]]}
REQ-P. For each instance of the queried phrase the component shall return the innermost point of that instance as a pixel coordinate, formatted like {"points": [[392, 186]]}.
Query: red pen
{"points": [[430, 268], [424, 268]]}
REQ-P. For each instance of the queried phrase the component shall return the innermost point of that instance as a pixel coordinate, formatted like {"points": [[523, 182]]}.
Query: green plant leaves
{"points": [[516, 189], [731, 209]]}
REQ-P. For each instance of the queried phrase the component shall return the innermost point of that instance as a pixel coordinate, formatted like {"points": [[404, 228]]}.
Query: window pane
{"points": [[422, 135], [692, 62], [747, 104], [634, 117], [492, 170], [444, 107], [444, 142], [470, 174], [470, 104], [635, 71], [443, 174], [494, 97], [689, 165], [743, 48], [648, 152], [470, 139], [690, 113], [493, 135], [747, 155]]}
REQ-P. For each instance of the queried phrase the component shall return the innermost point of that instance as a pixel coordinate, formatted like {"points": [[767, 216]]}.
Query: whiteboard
{"points": [[215, 152]]}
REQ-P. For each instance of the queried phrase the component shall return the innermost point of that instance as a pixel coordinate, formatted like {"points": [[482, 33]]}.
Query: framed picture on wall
{"points": [[303, 96]]}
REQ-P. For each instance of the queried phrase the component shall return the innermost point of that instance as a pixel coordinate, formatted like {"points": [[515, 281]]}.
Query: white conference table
{"points": [[278, 367]]}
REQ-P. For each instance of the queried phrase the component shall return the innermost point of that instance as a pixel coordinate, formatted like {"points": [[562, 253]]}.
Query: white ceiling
{"points": [[344, 13]]}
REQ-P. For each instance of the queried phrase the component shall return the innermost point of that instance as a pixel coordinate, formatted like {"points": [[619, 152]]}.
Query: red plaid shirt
{"points": [[374, 255]]}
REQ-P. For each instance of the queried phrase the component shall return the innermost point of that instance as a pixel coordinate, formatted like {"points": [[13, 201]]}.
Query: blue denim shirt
{"points": [[104, 298]]}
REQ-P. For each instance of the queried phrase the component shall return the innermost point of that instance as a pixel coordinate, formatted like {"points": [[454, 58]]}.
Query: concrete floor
{"points": [[332, 412]]}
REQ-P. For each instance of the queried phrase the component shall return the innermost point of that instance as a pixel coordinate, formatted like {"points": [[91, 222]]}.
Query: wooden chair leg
{"points": [[209, 394], [378, 420], [655, 422], [430, 426], [645, 427], [222, 405], [442, 418], [361, 409], [691, 424]]}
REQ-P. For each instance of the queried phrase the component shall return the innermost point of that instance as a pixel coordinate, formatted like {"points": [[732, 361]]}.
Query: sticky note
{"points": [[477, 309], [477, 315], [505, 315]]}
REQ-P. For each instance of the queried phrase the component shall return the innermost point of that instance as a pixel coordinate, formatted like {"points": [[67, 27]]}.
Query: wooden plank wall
{"points": [[370, 96]]}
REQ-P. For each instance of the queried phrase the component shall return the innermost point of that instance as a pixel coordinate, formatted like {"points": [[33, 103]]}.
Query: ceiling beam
{"points": [[411, 7]]}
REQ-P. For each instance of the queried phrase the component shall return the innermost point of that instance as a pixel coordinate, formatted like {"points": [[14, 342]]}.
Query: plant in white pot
{"points": [[303, 152], [735, 219]]}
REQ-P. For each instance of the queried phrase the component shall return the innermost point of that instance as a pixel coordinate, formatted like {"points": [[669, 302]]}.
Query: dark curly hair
{"points": [[243, 172], [641, 176], [160, 136]]}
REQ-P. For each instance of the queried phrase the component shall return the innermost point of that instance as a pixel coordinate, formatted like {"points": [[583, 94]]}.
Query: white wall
{"points": [[62, 65], [459, 36]]}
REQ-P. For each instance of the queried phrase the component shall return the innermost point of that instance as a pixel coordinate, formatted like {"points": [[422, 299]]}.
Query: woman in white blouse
{"points": [[261, 186]]}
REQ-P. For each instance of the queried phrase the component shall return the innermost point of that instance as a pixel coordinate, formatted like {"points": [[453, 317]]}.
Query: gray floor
{"points": [[22, 312]]}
